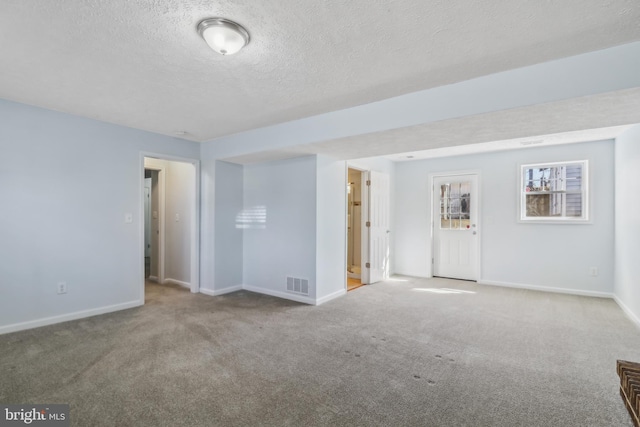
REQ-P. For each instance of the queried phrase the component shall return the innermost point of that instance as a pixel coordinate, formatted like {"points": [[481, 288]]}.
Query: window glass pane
{"points": [[537, 204], [553, 191], [455, 205]]}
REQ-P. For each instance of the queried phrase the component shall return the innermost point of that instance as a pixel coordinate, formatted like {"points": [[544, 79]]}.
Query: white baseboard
{"points": [[153, 279], [67, 317], [216, 292], [178, 282], [284, 295], [547, 289], [630, 314], [331, 296]]}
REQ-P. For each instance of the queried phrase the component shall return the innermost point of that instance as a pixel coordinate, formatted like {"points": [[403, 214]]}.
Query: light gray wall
{"points": [[180, 183], [303, 201], [545, 256], [627, 224], [286, 244], [331, 228], [65, 184], [207, 218], [229, 183]]}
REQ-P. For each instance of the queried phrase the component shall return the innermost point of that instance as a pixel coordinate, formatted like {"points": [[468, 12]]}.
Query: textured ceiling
{"points": [[142, 64], [590, 118]]}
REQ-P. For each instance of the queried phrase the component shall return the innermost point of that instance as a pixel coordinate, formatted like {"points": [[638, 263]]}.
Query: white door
{"points": [[455, 226], [378, 225]]}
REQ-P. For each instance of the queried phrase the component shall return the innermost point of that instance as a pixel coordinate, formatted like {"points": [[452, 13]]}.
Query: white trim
{"points": [[178, 282], [278, 294], [331, 296], [365, 277], [345, 268], [67, 317], [547, 289], [365, 237], [630, 314], [284, 295], [153, 279], [586, 196], [161, 185], [216, 292]]}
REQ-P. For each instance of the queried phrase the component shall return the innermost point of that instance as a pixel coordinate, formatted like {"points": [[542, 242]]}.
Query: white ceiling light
{"points": [[224, 36]]}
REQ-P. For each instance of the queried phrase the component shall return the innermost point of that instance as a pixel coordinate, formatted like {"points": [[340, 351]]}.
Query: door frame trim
{"points": [[432, 178], [147, 216], [195, 220]]}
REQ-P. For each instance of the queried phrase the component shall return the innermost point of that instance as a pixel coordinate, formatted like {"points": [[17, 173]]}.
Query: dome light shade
{"points": [[224, 36]]}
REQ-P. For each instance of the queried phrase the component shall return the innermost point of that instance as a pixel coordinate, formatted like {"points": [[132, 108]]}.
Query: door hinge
{"points": [[432, 261], [368, 182], [368, 224], [368, 265]]}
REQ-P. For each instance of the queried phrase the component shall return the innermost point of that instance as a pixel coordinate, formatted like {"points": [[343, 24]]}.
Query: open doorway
{"points": [[169, 239], [368, 227], [354, 228], [150, 229]]}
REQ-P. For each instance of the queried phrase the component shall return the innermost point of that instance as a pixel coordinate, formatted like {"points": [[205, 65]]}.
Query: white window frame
{"points": [[584, 191]]}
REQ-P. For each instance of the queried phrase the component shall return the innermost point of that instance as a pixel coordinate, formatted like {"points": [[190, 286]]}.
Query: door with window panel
{"points": [[455, 226]]}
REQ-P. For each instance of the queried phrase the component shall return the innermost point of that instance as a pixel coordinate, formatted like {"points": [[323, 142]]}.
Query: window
{"points": [[554, 192], [455, 202]]}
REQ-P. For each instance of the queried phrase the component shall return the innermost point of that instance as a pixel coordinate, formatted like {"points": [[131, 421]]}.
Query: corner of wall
{"points": [[626, 227]]}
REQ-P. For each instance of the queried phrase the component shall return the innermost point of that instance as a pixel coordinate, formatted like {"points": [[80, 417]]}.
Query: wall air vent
{"points": [[296, 285]]}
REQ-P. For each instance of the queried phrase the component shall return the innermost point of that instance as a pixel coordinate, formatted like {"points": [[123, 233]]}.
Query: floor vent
{"points": [[297, 286]]}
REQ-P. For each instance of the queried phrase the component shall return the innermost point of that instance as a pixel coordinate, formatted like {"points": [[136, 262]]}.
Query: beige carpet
{"points": [[405, 352]]}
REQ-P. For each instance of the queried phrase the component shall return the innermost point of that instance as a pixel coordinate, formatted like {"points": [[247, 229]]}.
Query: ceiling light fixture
{"points": [[224, 36]]}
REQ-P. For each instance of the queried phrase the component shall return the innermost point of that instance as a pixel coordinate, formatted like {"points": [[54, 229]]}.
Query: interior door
{"points": [[455, 226], [378, 225]]}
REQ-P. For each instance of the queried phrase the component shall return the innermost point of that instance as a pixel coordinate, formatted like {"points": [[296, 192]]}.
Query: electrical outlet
{"points": [[62, 288], [593, 271]]}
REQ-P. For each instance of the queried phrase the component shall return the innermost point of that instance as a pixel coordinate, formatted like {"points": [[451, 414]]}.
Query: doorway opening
{"points": [[150, 226], [368, 220], [354, 228], [169, 238]]}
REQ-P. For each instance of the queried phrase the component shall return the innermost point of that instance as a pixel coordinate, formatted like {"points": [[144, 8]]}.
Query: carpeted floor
{"points": [[404, 352]]}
